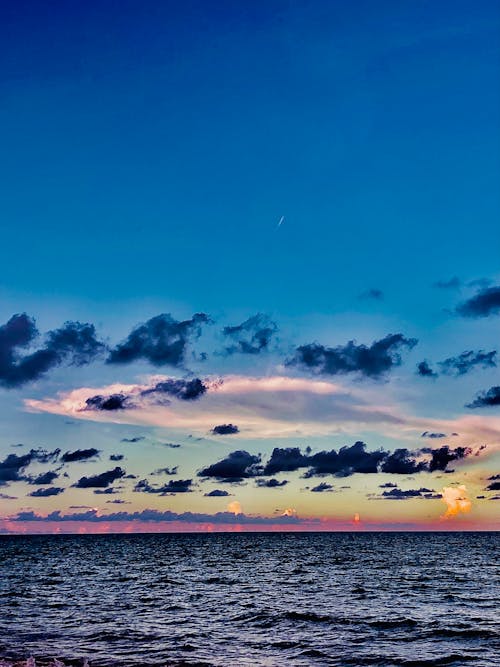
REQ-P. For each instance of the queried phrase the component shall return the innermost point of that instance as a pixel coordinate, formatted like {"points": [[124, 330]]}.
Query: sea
{"points": [[270, 599]]}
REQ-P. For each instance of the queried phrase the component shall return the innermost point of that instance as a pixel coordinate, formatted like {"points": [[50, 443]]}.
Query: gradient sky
{"points": [[149, 152]]}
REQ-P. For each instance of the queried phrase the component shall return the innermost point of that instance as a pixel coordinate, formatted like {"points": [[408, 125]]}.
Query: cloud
{"points": [[100, 481], [109, 491], [43, 478], [217, 493], [388, 485], [118, 501], [165, 471], [235, 467], [399, 494], [348, 460], [80, 455], [151, 515], [5, 496], [444, 455], [486, 399], [371, 361], [109, 403], [162, 340], [172, 487], [322, 487], [424, 370], [225, 429], [495, 483], [456, 500], [45, 493], [12, 468], [486, 302], [430, 434], [467, 361], [252, 336], [74, 343], [116, 457], [271, 483], [373, 294], [234, 507], [137, 438], [452, 283], [184, 390]]}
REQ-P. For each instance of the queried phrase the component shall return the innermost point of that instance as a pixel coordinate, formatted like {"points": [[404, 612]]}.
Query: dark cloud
{"points": [[151, 515], [43, 478], [74, 343], [171, 445], [467, 361], [165, 471], [100, 481], [452, 283], [252, 336], [109, 491], [45, 493], [235, 467], [485, 302], [486, 399], [399, 494], [430, 434], [271, 483], [162, 340], [373, 294], [116, 457], [118, 501], [217, 493], [425, 370], [348, 460], [137, 438], [4, 496], [321, 488], [372, 361], [495, 483], [80, 455], [225, 429], [184, 390], [108, 403], [402, 462], [12, 468], [388, 485], [444, 455], [172, 487]]}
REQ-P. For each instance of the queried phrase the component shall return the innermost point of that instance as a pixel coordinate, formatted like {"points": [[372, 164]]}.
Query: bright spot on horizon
{"points": [[234, 507], [456, 499], [356, 518], [290, 512]]}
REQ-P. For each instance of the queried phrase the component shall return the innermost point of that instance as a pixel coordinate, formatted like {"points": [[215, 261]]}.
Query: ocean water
{"points": [[353, 599]]}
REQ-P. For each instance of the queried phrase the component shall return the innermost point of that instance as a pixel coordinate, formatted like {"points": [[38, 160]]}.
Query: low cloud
{"points": [[162, 340], [235, 467], [165, 471], [431, 435], [45, 493], [452, 283], [225, 429], [467, 361], [484, 303], [73, 344], [486, 399], [172, 487], [80, 455], [100, 481], [271, 483], [217, 493], [457, 501], [13, 467], [253, 336], [372, 360], [322, 487], [116, 457], [399, 494], [425, 370], [43, 478]]}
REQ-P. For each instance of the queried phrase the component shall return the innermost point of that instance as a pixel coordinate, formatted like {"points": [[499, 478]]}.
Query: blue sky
{"points": [[150, 150]]}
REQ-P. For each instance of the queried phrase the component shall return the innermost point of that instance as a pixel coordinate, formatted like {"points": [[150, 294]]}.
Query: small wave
{"points": [[451, 659], [393, 623]]}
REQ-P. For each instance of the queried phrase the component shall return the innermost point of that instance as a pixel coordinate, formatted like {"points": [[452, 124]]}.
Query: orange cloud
{"points": [[456, 500]]}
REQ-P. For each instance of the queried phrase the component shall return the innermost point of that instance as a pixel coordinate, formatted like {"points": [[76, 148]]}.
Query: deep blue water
{"points": [[353, 599]]}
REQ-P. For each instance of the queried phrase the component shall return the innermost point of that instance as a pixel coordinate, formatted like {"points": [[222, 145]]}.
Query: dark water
{"points": [[253, 599]]}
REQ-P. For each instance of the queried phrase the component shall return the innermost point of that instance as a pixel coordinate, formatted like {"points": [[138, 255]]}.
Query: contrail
{"points": [[282, 220]]}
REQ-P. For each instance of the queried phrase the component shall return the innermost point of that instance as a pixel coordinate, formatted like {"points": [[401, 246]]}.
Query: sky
{"points": [[249, 266]]}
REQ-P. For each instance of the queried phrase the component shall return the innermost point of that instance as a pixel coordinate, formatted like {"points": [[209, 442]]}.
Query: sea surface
{"points": [[353, 599]]}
